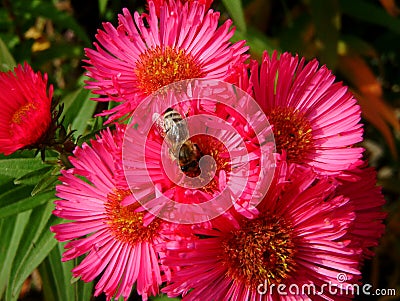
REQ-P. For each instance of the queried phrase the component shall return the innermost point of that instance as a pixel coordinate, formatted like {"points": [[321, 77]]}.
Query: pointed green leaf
{"points": [[84, 291], [235, 10], [20, 166], [7, 61], [59, 275], [49, 291], [78, 110], [72, 103], [13, 195], [24, 200], [33, 252], [61, 272], [33, 177], [11, 233], [6, 184], [102, 6], [47, 183], [38, 224], [85, 113]]}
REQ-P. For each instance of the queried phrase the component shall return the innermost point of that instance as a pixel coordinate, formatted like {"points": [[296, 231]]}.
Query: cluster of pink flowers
{"points": [[320, 217]]}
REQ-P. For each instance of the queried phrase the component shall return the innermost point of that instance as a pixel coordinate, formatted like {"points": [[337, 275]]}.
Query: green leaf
{"points": [[20, 199], [235, 10], [257, 41], [14, 194], [370, 13], [61, 272], [49, 291], [96, 126], [47, 183], [326, 16], [70, 105], [12, 229], [37, 243], [19, 154], [32, 178], [7, 61], [58, 274], [17, 168], [78, 110], [6, 184], [86, 112], [102, 6], [84, 291]]}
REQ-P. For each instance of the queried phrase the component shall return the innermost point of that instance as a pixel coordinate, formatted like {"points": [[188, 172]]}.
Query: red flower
{"points": [[25, 105]]}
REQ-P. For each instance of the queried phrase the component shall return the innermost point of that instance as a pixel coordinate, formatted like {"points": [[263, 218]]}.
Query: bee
{"points": [[173, 128]]}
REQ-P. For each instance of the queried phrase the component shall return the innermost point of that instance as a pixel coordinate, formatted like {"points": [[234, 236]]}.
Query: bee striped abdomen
{"points": [[174, 129], [171, 117]]}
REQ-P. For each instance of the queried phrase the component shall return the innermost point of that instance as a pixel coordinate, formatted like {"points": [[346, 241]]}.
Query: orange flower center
{"points": [[125, 223], [22, 112], [159, 67], [261, 250], [292, 133]]}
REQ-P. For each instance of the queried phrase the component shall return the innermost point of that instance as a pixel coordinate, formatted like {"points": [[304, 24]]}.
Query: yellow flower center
{"points": [[261, 250], [159, 67], [126, 224], [22, 112], [292, 133]]}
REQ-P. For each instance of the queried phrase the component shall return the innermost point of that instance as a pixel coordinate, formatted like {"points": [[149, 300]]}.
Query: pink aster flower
{"points": [[118, 247], [316, 121], [299, 239], [25, 104], [146, 52]]}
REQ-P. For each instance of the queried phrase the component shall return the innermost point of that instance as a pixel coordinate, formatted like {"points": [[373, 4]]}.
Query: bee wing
{"points": [[177, 134], [155, 117], [159, 124]]}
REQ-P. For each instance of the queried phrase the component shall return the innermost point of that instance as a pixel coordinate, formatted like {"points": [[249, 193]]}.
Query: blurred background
{"points": [[358, 39]]}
